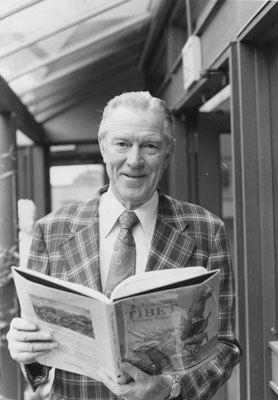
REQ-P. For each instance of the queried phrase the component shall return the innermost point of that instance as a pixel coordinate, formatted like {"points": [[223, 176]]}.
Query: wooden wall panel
{"points": [[178, 176]]}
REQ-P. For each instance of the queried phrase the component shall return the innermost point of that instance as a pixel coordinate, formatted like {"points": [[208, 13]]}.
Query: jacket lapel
{"points": [[171, 246], [80, 252]]}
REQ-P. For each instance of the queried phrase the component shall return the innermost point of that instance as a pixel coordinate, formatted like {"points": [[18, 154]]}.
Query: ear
{"points": [[102, 146], [167, 160], [170, 152]]}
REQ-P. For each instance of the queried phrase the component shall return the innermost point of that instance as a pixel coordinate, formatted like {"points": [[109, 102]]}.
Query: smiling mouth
{"points": [[134, 176]]}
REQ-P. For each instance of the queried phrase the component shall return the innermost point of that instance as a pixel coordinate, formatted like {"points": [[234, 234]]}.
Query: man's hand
{"points": [[142, 387], [26, 342]]}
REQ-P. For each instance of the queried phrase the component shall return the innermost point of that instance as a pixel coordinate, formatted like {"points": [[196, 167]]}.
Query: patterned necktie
{"points": [[124, 254]]}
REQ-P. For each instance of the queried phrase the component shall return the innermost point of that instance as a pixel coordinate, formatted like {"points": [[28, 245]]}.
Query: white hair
{"points": [[142, 101]]}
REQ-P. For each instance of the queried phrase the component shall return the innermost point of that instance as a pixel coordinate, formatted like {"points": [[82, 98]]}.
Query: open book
{"points": [[164, 322]]}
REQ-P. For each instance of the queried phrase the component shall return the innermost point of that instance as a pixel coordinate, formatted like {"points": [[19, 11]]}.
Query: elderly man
{"points": [[76, 243]]}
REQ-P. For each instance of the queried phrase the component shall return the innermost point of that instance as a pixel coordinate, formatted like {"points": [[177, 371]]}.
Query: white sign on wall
{"points": [[191, 59]]}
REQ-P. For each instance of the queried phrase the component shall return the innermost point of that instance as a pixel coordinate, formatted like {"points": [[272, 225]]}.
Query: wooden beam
{"points": [[266, 16], [116, 31], [76, 92], [84, 92], [208, 10], [238, 261], [11, 104], [74, 73], [157, 23], [16, 9]]}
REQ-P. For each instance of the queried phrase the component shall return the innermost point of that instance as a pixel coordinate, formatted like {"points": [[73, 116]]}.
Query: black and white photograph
{"points": [[138, 136]]}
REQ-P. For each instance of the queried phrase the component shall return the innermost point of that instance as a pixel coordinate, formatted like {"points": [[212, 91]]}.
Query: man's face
{"points": [[135, 152]]}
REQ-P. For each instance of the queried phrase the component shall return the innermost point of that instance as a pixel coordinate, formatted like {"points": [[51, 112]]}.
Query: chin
{"points": [[138, 201], [135, 199]]}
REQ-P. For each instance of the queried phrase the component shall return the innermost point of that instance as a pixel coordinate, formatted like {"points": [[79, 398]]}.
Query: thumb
{"points": [[133, 371]]}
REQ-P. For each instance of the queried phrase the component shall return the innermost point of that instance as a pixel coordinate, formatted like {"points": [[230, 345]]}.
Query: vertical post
{"points": [[41, 180], [188, 17], [241, 389], [10, 377]]}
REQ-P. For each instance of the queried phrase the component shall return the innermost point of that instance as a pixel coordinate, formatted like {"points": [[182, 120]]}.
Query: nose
{"points": [[134, 157]]}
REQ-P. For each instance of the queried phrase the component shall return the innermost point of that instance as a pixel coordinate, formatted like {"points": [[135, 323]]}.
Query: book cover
{"points": [[170, 332]]}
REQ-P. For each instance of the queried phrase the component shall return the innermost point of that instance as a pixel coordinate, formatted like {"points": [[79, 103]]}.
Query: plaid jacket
{"points": [[65, 245]]}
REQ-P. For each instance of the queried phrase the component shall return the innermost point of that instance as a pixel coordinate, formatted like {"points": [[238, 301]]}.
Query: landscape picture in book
{"points": [[173, 331], [64, 315]]}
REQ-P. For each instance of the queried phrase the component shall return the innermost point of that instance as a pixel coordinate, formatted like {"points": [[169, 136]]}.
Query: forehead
{"points": [[125, 119]]}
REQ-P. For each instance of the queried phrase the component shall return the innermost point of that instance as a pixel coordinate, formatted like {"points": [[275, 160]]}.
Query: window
{"points": [[74, 183]]}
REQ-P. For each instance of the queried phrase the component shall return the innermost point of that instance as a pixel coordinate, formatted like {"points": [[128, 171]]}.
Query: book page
{"points": [[79, 325], [170, 332], [155, 279], [53, 282]]}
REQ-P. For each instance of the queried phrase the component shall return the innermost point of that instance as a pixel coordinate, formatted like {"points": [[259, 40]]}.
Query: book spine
{"points": [[114, 341]]}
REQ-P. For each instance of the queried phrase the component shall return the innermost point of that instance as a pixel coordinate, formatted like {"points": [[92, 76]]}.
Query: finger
{"points": [[113, 386], [23, 325], [28, 352], [32, 347], [134, 372], [33, 336], [29, 358], [108, 381], [36, 347], [28, 334], [25, 337]]}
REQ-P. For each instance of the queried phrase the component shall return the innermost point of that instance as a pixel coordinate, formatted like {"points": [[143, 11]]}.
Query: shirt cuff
{"points": [[36, 374]]}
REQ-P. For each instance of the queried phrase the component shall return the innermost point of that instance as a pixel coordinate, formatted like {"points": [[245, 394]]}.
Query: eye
{"points": [[121, 145], [151, 148]]}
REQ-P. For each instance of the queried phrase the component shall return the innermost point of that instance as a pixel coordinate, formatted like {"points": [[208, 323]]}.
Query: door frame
{"points": [[254, 122]]}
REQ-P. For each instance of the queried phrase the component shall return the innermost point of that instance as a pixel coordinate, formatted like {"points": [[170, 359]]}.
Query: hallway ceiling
{"points": [[52, 53]]}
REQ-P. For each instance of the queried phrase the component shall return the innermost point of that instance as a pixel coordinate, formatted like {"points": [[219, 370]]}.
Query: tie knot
{"points": [[128, 220]]}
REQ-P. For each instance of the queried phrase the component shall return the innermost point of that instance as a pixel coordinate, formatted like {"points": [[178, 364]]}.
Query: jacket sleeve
{"points": [[203, 383], [37, 374], [38, 259]]}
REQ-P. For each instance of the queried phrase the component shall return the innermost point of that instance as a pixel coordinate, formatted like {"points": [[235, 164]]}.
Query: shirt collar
{"points": [[110, 209]]}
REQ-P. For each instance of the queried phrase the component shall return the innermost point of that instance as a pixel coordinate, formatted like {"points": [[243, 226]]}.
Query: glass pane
{"points": [[226, 175], [42, 18], [48, 17], [7, 5], [75, 182], [227, 185], [50, 39], [20, 61]]}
